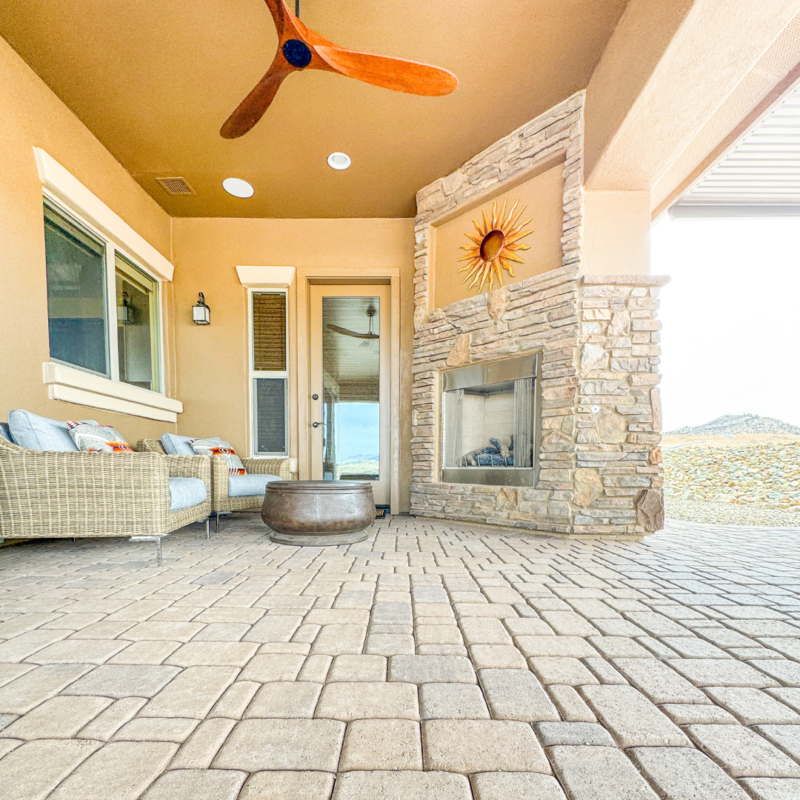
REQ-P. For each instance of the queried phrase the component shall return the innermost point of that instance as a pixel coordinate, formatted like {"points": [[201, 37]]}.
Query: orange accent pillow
{"points": [[219, 447], [97, 438]]}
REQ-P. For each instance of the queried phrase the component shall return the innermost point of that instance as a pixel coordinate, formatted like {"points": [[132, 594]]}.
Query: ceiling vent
{"points": [[175, 186]]}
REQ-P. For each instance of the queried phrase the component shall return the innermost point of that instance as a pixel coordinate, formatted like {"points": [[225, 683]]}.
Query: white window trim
{"points": [[254, 373], [72, 384], [67, 189], [87, 389], [266, 277]]}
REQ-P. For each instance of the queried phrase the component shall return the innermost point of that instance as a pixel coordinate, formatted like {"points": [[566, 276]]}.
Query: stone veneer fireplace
{"points": [[595, 460]]}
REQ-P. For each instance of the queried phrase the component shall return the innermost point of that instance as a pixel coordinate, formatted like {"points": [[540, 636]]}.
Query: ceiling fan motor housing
{"points": [[297, 53]]}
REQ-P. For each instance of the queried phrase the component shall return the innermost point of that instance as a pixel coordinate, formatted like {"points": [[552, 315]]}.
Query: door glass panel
{"points": [[351, 388], [137, 325], [76, 293]]}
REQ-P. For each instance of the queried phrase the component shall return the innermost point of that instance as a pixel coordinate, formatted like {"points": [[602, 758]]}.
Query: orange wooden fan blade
{"points": [[252, 108], [390, 73]]}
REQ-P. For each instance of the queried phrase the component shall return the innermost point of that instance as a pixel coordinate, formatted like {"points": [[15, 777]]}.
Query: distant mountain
{"points": [[733, 424], [359, 459]]}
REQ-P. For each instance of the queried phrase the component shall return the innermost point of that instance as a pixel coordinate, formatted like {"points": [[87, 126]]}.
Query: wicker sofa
{"points": [[47, 494], [221, 500]]}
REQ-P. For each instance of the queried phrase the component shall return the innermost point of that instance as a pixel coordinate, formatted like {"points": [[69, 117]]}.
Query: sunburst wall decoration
{"points": [[494, 246]]}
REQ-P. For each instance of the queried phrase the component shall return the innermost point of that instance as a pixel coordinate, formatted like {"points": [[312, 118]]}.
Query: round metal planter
{"points": [[318, 513]]}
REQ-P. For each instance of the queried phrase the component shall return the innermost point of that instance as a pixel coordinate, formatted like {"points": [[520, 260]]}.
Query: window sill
{"points": [[76, 386]]}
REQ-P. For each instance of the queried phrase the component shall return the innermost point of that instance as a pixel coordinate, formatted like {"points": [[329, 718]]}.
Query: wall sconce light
{"points": [[125, 311], [201, 313]]}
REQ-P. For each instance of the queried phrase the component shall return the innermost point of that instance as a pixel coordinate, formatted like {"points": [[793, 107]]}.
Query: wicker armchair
{"points": [[221, 503], [52, 494]]}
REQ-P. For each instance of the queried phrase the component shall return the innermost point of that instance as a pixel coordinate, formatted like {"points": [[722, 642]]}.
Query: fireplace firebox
{"points": [[489, 423]]}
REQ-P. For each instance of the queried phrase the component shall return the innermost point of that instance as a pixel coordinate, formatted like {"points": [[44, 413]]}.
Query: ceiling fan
{"points": [[300, 48], [369, 336]]}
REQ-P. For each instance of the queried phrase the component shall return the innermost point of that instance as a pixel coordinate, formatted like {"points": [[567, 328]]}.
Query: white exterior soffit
{"points": [[76, 386], [64, 186], [758, 176], [265, 277]]}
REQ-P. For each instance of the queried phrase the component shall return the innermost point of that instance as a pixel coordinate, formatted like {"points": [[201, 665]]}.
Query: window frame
{"points": [[254, 374], [111, 249]]}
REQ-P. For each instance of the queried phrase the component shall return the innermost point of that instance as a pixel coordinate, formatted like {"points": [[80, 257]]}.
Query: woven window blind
{"points": [[269, 331]]}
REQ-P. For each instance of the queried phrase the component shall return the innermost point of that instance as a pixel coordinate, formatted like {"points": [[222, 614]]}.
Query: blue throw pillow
{"points": [[40, 433]]}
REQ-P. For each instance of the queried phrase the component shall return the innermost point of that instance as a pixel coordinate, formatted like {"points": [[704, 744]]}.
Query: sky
{"points": [[731, 318], [357, 430]]}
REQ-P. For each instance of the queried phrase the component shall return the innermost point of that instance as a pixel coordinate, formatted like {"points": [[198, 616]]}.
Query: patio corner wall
{"points": [[599, 461]]}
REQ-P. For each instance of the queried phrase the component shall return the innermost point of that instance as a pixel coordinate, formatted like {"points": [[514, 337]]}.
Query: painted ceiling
{"points": [[155, 80]]}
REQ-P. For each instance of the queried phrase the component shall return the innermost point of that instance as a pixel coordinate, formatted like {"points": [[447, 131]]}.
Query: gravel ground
{"points": [[712, 513], [737, 484]]}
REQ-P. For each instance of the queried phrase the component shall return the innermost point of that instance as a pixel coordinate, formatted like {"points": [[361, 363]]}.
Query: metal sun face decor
{"points": [[492, 249]]}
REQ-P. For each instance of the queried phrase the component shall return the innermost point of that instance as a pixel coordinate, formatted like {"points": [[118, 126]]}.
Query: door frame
{"points": [[317, 292], [365, 276]]}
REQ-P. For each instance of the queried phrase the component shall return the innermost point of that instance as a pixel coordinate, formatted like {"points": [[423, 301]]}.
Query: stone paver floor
{"points": [[434, 660]]}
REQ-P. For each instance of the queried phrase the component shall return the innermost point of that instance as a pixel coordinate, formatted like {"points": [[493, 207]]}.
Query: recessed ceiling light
{"points": [[339, 160], [237, 187]]}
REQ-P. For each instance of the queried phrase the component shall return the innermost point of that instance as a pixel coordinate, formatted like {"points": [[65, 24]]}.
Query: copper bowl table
{"points": [[318, 513]]}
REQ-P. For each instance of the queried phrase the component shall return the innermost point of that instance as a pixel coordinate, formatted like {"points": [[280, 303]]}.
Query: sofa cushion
{"points": [[40, 433], [177, 445], [185, 493], [249, 485], [4, 431]]}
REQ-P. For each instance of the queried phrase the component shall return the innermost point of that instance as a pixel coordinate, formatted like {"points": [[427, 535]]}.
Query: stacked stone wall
{"points": [[598, 460]]}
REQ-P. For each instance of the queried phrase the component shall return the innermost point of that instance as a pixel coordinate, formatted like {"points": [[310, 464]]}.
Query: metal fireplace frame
{"points": [[503, 371]]}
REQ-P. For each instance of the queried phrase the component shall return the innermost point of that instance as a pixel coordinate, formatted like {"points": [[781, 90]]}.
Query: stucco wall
{"points": [[34, 117], [541, 197], [213, 361]]}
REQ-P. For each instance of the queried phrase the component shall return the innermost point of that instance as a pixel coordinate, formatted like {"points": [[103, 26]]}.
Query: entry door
{"points": [[349, 385]]}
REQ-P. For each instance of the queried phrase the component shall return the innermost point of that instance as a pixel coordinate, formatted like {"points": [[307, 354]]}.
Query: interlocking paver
{"points": [[452, 701], [282, 744], [680, 773], [742, 752], [431, 669], [787, 737], [469, 746], [35, 768], [349, 701], [632, 718], [401, 786], [196, 784], [57, 718], [599, 773], [573, 733], [156, 729], [285, 699], [515, 785], [200, 748], [569, 671], [381, 744], [658, 681], [235, 700], [280, 785], [191, 694], [773, 788], [112, 680], [272, 667], [721, 672], [122, 770], [314, 647], [752, 706]]}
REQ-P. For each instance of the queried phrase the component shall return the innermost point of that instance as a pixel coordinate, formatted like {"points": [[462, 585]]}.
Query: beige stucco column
{"points": [[616, 233]]}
